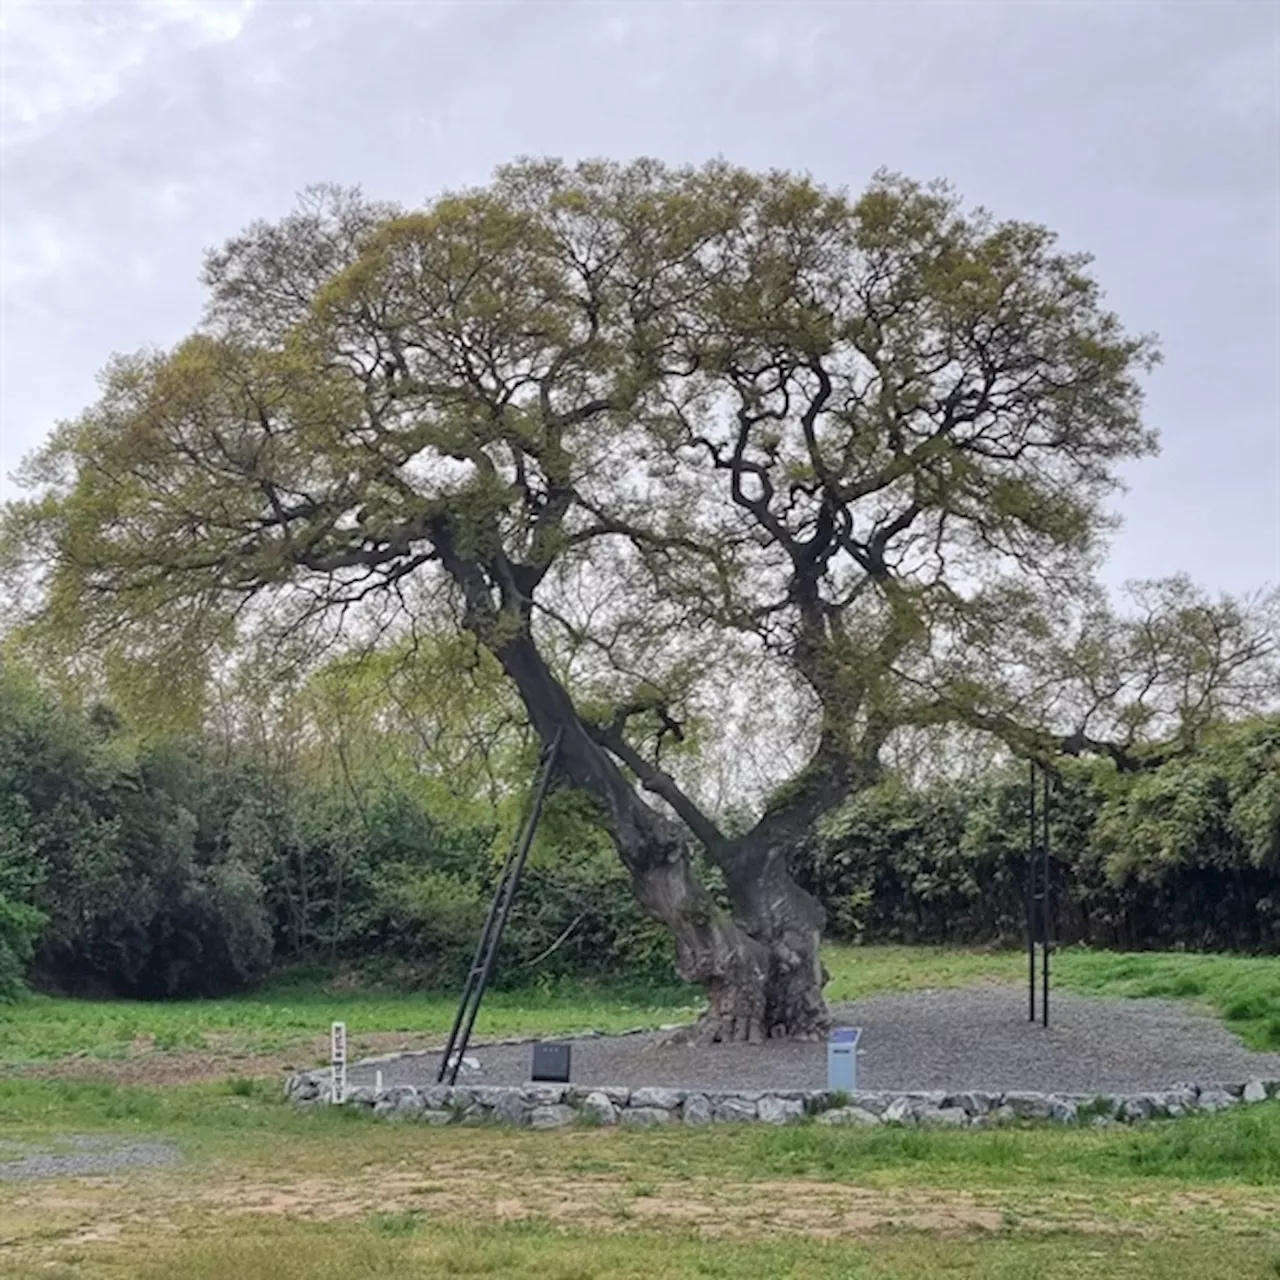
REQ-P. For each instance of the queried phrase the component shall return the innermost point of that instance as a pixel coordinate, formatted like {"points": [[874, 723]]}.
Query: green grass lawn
{"points": [[287, 1015], [270, 1193], [291, 1017], [1244, 990], [419, 1249], [251, 1122]]}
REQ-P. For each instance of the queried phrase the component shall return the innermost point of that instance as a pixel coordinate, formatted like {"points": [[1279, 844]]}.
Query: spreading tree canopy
{"points": [[668, 444]]}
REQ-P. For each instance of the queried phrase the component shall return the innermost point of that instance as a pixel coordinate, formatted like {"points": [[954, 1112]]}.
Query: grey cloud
{"points": [[1147, 134]]}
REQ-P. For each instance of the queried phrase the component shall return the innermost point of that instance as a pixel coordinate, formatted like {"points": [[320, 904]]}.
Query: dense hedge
{"points": [[125, 887], [192, 867], [1187, 855]]}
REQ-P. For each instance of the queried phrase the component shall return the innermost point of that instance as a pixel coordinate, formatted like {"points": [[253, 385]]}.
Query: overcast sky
{"points": [[135, 135]]}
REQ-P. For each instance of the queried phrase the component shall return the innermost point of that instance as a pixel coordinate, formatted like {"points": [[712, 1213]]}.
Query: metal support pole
{"points": [[495, 923], [1047, 903], [1031, 892]]}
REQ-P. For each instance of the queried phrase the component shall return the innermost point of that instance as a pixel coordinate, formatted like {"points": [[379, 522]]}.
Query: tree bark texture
{"points": [[759, 963]]}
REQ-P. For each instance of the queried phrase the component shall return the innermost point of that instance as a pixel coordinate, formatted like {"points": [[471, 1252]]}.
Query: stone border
{"points": [[552, 1106]]}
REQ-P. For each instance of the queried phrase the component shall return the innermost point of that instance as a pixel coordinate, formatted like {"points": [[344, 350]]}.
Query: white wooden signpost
{"points": [[338, 1056]]}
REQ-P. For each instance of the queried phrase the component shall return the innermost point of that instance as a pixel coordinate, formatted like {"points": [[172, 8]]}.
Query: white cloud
{"points": [[56, 58], [1244, 88], [38, 252], [171, 198], [798, 49], [220, 21], [616, 29]]}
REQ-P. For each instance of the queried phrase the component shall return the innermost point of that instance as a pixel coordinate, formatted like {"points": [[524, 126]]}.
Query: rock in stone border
{"points": [[553, 1106]]}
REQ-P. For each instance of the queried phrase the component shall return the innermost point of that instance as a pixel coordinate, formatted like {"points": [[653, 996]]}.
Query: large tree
{"points": [[664, 442]]}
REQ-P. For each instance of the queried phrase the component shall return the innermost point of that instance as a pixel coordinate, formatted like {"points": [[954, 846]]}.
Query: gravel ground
{"points": [[976, 1038], [78, 1154]]}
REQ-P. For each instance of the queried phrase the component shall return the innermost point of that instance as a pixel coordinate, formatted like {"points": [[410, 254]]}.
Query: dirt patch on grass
{"points": [[591, 1181], [459, 1192], [711, 1209]]}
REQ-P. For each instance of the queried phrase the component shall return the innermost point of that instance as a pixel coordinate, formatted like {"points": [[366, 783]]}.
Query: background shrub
{"points": [[192, 865], [1183, 856]]}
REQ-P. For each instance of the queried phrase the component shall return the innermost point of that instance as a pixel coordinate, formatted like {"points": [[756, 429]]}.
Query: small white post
{"points": [[338, 1057], [377, 1082]]}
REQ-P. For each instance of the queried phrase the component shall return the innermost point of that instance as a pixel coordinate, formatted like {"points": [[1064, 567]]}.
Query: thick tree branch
{"points": [[661, 784]]}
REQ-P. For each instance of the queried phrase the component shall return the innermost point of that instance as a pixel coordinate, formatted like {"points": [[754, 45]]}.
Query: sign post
{"points": [[842, 1059], [338, 1057]]}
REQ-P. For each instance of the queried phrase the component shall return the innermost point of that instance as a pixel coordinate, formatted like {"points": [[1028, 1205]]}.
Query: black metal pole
{"points": [[507, 899], [1048, 945], [1031, 892]]}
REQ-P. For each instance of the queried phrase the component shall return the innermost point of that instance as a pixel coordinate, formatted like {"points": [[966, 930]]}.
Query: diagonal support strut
{"points": [[495, 922]]}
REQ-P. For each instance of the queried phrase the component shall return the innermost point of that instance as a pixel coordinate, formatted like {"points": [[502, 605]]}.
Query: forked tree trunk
{"points": [[759, 964]]}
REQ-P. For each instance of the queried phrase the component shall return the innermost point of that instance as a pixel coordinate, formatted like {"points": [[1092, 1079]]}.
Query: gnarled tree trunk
{"points": [[775, 910], [760, 964]]}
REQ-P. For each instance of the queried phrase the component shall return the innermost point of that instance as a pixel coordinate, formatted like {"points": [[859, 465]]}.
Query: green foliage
{"points": [[574, 915], [638, 417], [1219, 805], [103, 859], [176, 867], [1186, 855], [20, 926], [594, 435], [190, 866]]}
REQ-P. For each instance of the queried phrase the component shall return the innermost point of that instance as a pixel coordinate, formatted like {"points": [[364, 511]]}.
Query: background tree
{"points": [[645, 434], [112, 874]]}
